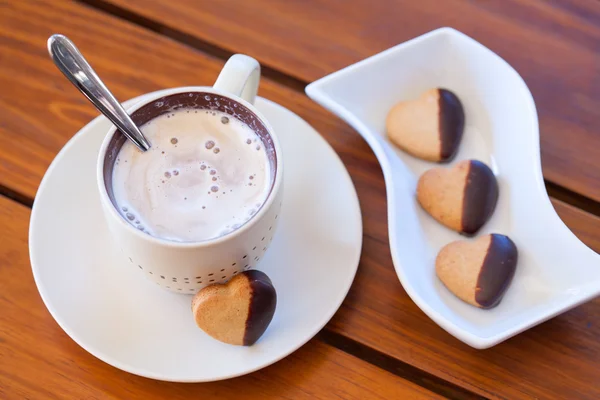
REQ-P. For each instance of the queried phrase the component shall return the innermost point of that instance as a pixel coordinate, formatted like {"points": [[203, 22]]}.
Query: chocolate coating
{"points": [[263, 300], [480, 197], [497, 271], [452, 124]]}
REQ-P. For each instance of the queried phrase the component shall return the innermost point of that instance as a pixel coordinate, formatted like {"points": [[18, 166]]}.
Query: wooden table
{"points": [[379, 344]]}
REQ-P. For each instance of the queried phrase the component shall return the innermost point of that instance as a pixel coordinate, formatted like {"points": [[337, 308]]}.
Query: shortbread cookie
{"points": [[478, 272], [429, 127], [239, 311], [463, 197]]}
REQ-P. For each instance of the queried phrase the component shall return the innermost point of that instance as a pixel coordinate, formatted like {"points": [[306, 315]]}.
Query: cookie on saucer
{"points": [[239, 311]]}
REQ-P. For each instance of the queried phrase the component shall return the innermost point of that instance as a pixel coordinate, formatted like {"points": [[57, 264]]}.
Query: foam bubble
{"points": [[163, 209]]}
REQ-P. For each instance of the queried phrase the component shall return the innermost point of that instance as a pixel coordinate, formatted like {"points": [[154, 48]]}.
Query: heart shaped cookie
{"points": [[239, 311], [478, 272], [429, 127], [463, 197]]}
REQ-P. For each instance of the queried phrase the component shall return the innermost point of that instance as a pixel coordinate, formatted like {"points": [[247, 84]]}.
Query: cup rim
{"points": [[201, 243]]}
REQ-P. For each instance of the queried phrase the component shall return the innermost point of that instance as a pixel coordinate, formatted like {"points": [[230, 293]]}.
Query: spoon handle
{"points": [[75, 67]]}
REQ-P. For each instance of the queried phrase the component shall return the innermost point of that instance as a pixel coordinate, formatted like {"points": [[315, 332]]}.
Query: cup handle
{"points": [[240, 76]]}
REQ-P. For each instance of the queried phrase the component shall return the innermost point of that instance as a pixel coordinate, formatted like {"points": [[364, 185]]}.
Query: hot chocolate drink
{"points": [[206, 174]]}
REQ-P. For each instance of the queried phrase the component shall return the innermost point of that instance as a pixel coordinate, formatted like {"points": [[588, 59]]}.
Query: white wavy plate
{"points": [[555, 271], [127, 321]]}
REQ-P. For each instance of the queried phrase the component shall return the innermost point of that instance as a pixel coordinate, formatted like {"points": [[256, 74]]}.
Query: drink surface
{"points": [[206, 174]]}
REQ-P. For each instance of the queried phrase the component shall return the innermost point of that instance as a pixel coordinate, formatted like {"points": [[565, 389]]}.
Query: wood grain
{"points": [[38, 360], [41, 111], [554, 45], [557, 359]]}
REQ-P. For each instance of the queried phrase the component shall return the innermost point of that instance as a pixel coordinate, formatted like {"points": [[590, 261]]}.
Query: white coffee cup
{"points": [[188, 267]]}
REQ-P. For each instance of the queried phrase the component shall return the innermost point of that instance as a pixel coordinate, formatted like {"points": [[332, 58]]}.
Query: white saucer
{"points": [[134, 325]]}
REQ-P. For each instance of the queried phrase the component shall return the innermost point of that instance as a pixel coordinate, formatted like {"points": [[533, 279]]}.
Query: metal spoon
{"points": [[75, 67]]}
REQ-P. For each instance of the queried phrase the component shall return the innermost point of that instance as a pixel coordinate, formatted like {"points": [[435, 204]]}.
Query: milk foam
{"points": [[205, 175]]}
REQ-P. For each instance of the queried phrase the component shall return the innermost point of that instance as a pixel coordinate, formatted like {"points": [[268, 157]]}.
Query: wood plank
{"points": [[377, 312], [584, 225], [38, 360], [41, 110], [557, 359], [553, 45]]}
